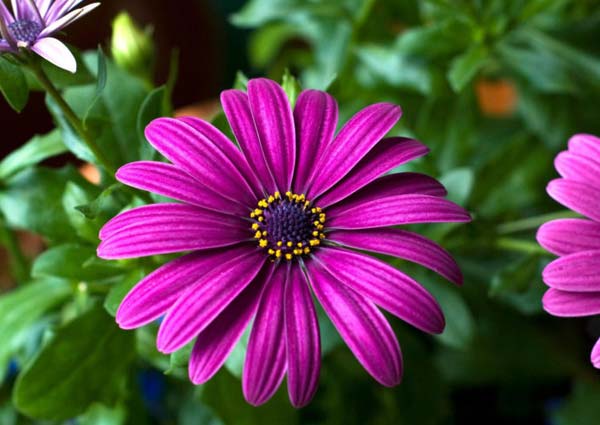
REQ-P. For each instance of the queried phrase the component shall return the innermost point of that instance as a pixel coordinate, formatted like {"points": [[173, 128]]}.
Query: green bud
{"points": [[132, 47]]}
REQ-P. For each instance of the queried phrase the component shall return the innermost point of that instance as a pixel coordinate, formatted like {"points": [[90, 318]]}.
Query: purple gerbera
{"points": [[33, 24], [574, 278], [271, 224]]}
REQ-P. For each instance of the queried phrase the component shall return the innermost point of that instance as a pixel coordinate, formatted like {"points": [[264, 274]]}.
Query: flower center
{"points": [[25, 31], [287, 226]]}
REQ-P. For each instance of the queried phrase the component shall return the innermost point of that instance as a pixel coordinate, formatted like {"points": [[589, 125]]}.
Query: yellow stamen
{"points": [[263, 243]]}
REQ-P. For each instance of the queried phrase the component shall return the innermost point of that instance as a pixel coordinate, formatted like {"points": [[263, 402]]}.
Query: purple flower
{"points": [[273, 223], [32, 24], [574, 278]]}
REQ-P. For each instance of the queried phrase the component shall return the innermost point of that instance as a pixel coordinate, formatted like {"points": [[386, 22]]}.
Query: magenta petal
{"points": [[397, 210], [206, 299], [362, 326], [316, 116], [237, 109], [580, 197], [386, 286], [168, 180], [384, 157], [302, 340], [585, 145], [158, 291], [571, 304], [403, 244], [211, 133], [578, 168], [275, 126], [265, 364], [387, 186], [216, 342], [200, 157], [595, 357], [353, 142], [579, 272], [570, 235]]}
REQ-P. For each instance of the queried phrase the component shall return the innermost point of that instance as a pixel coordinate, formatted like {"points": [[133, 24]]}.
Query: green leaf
{"points": [[120, 289], [291, 87], [100, 83], [36, 150], [458, 183], [21, 308], [235, 362], [74, 197], [84, 363], [62, 78], [13, 84], [581, 407], [155, 105], [464, 67], [180, 358], [99, 414]]}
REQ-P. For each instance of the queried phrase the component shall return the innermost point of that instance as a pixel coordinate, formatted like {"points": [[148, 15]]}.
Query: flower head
{"points": [[32, 24], [574, 278], [271, 224]]}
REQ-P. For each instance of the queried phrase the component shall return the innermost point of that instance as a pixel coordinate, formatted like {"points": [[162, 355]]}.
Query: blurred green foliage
{"points": [[493, 87]]}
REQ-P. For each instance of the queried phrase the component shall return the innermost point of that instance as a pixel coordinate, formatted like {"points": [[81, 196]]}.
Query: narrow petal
{"points": [[4, 46], [397, 210], [384, 157], [9, 42], [206, 299], [571, 304], [228, 147], [157, 292], [265, 362], [68, 19], [168, 180], [198, 156], [595, 357], [386, 286], [578, 168], [237, 110], [403, 244], [43, 6], [570, 235], [353, 142], [580, 197], [316, 116], [55, 52], [390, 185], [216, 342], [302, 339], [26, 10], [275, 126], [579, 272], [5, 16], [585, 145], [59, 8], [362, 326]]}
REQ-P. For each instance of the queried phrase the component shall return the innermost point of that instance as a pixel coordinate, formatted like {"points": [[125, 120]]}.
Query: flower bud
{"points": [[132, 47]]}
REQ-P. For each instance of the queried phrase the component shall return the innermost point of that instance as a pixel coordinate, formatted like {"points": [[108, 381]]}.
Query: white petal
{"points": [[56, 52]]}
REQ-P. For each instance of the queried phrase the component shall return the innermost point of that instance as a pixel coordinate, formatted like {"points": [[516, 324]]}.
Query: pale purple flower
{"points": [[271, 224], [32, 24], [574, 278]]}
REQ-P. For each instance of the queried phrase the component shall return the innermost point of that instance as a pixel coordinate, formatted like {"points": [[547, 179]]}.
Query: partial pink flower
{"points": [[271, 225], [32, 24], [574, 278]]}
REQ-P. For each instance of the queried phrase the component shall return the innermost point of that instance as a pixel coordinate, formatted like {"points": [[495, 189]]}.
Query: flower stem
{"points": [[70, 115], [19, 266], [530, 223], [520, 245]]}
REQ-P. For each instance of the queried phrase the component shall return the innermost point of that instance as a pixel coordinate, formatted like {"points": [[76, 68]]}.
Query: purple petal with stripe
{"points": [[571, 304], [68, 19], [570, 235], [579, 197], [26, 10], [157, 292], [228, 147], [316, 117], [353, 142], [215, 343], [59, 8], [168, 180], [388, 186], [4, 46], [265, 364], [205, 300], [5, 15], [201, 158], [43, 6], [397, 210], [386, 286], [585, 145], [595, 357], [579, 272], [237, 110], [302, 339], [275, 126], [384, 157], [403, 244], [55, 52], [362, 326], [578, 168]]}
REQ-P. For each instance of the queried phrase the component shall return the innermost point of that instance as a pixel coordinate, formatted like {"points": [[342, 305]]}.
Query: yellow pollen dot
{"points": [[258, 211], [279, 243], [263, 243], [313, 210], [277, 195], [315, 233], [290, 244], [306, 204], [258, 234], [288, 256], [255, 226], [261, 218], [307, 250], [300, 244], [297, 251], [320, 226], [278, 253], [322, 236], [271, 199], [252, 215], [316, 222], [271, 251], [288, 194], [263, 203], [314, 242], [319, 209]]}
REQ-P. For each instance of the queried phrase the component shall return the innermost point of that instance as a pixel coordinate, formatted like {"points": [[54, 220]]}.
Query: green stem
{"points": [[520, 245], [19, 264], [70, 115], [531, 223]]}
